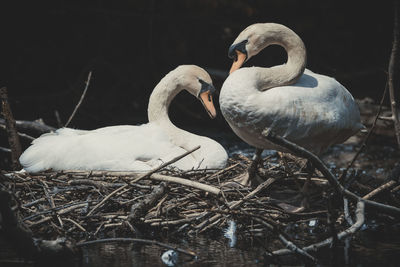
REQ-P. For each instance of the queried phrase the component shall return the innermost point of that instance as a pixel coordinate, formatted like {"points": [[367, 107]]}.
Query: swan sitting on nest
{"points": [[135, 148], [309, 109]]}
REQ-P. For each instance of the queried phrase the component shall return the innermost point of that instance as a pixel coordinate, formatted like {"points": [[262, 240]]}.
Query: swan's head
{"points": [[198, 82], [249, 43]]}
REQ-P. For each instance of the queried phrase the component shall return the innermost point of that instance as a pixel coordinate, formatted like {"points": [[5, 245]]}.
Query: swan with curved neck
{"points": [[135, 148], [309, 109]]}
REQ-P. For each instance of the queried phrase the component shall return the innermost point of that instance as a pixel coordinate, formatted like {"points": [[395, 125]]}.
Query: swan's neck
{"points": [[159, 102], [160, 99], [290, 72]]}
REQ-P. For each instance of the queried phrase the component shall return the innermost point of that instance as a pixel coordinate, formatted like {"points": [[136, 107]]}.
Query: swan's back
{"points": [[315, 112], [124, 147]]}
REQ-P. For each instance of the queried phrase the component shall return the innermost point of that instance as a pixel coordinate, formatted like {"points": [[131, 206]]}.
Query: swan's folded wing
{"points": [[109, 148]]}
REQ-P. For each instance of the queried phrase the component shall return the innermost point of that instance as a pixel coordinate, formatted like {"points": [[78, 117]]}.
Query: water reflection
{"points": [[210, 253]]}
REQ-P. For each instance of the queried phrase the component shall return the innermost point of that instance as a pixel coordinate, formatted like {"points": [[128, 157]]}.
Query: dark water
{"points": [[216, 252]]}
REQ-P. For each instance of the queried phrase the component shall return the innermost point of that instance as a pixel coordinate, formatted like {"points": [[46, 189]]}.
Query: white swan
{"points": [[309, 109], [134, 148]]}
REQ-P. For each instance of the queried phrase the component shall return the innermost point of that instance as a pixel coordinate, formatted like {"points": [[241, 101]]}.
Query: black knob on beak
{"points": [[237, 47]]}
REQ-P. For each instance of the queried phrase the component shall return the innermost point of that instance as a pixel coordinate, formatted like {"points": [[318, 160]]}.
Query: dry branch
{"points": [[12, 134], [23, 135], [380, 189], [391, 72], [366, 138], [80, 100], [317, 163], [351, 230], [162, 166], [186, 182], [235, 204], [37, 126], [140, 208]]}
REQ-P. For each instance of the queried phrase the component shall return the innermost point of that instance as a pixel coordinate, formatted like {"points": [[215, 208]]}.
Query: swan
{"points": [[135, 148], [312, 110]]}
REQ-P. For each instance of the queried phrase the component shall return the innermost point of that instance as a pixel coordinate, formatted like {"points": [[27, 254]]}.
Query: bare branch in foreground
{"points": [[289, 244], [139, 209], [204, 187], [380, 189], [162, 166], [349, 231], [339, 189], [202, 226]]}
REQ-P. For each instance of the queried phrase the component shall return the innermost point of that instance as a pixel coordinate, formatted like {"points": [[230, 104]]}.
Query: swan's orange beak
{"points": [[207, 101], [241, 57]]}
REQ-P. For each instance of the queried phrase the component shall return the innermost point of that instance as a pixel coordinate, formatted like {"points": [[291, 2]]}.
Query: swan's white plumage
{"points": [[111, 148], [125, 147], [315, 111]]}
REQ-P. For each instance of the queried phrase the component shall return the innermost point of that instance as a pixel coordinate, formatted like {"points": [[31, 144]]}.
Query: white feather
{"points": [[130, 148]]}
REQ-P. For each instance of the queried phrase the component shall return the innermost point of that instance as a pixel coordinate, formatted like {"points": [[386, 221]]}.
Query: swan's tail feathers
{"points": [[31, 163], [40, 156]]}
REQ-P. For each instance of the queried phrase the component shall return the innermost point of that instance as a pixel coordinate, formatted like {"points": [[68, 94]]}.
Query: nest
{"points": [[95, 205]]}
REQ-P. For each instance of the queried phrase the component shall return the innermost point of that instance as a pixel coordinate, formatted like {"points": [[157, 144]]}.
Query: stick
{"points": [[51, 202], [364, 143], [165, 164], [76, 224], [106, 198], [140, 208], [236, 204], [379, 189], [5, 150], [13, 138], [31, 125], [218, 172], [19, 134], [302, 152], [204, 187], [291, 246], [346, 211], [349, 231], [273, 226], [137, 240], [392, 65], [80, 100]]}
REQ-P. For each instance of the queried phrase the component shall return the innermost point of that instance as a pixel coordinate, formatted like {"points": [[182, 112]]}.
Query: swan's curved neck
{"points": [[290, 72], [159, 102], [161, 98]]}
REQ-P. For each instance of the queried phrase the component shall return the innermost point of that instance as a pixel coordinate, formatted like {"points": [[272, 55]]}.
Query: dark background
{"points": [[47, 49]]}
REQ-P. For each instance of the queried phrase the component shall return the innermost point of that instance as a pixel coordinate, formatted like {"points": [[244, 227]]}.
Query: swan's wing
{"points": [[109, 148], [318, 115]]}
